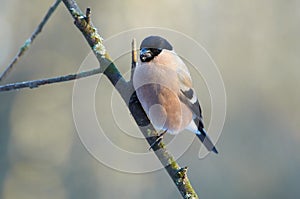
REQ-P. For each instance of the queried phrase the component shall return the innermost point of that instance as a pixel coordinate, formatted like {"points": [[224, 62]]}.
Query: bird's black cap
{"points": [[156, 42]]}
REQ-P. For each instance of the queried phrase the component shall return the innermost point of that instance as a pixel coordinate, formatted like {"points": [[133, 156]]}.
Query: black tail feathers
{"points": [[206, 141]]}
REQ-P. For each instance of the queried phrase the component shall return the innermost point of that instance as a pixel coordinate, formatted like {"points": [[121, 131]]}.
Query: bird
{"points": [[163, 86]]}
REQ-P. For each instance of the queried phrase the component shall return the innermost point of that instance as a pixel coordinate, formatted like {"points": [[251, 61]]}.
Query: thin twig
{"points": [[29, 41], [88, 15], [133, 57], [36, 83]]}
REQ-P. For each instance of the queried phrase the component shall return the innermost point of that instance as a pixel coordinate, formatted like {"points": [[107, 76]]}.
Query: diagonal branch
{"points": [[126, 91], [83, 23], [29, 41]]}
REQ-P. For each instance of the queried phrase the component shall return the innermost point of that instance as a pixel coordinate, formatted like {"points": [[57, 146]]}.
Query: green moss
{"points": [[25, 46], [75, 13]]}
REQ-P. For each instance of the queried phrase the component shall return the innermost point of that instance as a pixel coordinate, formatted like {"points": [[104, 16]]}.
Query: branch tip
{"points": [[88, 15], [134, 50]]}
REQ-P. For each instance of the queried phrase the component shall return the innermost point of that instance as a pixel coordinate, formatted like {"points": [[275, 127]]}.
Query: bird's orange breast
{"points": [[164, 108]]}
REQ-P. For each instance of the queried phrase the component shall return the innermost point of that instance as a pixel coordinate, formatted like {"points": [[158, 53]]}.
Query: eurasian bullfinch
{"points": [[164, 87]]}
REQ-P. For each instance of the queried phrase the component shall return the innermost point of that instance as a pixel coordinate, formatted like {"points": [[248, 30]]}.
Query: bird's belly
{"points": [[164, 108]]}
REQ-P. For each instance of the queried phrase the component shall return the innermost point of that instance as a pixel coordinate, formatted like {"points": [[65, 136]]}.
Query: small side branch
{"points": [[29, 41], [36, 83], [133, 57]]}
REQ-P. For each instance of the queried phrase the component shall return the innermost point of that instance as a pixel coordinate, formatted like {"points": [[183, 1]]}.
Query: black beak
{"points": [[146, 54]]}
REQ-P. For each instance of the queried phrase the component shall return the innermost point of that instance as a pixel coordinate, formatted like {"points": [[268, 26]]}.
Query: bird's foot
{"points": [[158, 140]]}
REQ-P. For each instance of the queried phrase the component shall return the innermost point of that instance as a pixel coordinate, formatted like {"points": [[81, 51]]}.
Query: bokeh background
{"points": [[256, 47]]}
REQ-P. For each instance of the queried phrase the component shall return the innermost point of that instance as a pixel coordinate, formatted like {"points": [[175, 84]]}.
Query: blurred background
{"points": [[256, 47]]}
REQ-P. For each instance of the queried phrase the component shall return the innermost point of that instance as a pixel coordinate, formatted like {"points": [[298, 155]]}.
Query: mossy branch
{"points": [[126, 91]]}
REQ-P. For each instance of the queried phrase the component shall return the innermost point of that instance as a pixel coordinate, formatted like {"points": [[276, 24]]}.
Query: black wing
{"points": [[188, 98]]}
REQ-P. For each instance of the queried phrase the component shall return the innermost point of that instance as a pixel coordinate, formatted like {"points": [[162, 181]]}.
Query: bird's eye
{"points": [[147, 54], [156, 51]]}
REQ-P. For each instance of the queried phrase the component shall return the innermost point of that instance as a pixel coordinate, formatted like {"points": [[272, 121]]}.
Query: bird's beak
{"points": [[145, 54]]}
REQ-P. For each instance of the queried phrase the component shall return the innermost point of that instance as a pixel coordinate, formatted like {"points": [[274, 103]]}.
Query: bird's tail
{"points": [[206, 141]]}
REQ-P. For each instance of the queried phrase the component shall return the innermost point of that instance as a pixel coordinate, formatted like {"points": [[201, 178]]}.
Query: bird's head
{"points": [[152, 46]]}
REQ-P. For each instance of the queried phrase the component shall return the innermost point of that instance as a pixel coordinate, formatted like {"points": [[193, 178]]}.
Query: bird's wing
{"points": [[184, 97], [187, 94]]}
